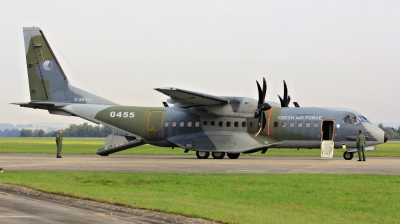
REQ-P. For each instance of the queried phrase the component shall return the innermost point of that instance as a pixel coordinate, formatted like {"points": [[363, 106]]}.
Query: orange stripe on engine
{"points": [[269, 122]]}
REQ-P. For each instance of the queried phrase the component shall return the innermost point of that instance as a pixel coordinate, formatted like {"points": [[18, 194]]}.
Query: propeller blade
{"points": [[280, 99], [288, 101], [285, 95], [259, 93], [264, 90], [264, 122]]}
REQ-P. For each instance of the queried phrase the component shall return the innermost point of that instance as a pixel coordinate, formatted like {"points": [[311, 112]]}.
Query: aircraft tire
{"points": [[233, 155], [202, 155], [348, 155], [218, 155]]}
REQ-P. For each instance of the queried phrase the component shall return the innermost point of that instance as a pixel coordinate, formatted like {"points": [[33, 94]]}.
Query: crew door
{"points": [[154, 125], [327, 138]]}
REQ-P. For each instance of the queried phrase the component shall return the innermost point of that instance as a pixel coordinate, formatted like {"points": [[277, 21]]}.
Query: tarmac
{"points": [[190, 164]]}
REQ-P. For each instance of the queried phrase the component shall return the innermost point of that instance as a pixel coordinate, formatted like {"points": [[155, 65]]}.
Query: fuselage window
{"points": [[228, 124], [174, 124], [181, 124], [221, 124], [204, 123], [308, 124], [291, 124], [299, 125], [197, 124], [244, 124], [189, 124], [283, 124], [212, 123], [236, 124], [315, 125], [251, 124], [166, 124], [275, 124]]}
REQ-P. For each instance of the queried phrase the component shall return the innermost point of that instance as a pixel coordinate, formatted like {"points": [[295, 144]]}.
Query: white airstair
{"points": [[327, 147]]}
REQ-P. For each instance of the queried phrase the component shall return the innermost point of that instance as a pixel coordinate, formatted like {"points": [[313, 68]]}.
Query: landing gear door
{"points": [[327, 138], [154, 125]]}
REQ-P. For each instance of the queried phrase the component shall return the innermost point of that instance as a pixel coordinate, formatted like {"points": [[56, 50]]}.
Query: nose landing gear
{"points": [[348, 155]]}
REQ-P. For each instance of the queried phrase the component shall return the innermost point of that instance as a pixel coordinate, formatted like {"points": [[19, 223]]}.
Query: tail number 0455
{"points": [[122, 114]]}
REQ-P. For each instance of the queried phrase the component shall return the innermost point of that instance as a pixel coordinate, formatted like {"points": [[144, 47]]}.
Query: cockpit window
{"points": [[363, 119], [350, 119]]}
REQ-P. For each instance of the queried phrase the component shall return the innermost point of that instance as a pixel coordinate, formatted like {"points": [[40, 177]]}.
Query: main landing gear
{"points": [[348, 155], [216, 155]]}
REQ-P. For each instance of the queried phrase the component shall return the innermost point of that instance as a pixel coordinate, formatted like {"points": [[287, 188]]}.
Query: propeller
{"points": [[262, 106], [286, 99]]}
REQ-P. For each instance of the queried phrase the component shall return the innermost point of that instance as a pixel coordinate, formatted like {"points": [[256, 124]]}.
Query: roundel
{"points": [[48, 65]]}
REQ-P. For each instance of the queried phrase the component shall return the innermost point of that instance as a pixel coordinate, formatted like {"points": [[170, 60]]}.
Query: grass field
{"points": [[91, 145], [233, 198]]}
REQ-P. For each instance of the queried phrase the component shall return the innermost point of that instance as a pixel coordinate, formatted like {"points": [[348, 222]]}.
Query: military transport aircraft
{"points": [[200, 122]]}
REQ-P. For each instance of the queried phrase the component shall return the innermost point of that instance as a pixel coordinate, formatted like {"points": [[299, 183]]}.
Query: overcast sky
{"points": [[331, 53]]}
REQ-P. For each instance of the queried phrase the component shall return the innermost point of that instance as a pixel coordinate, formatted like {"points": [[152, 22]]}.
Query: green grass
{"points": [[91, 145], [233, 198]]}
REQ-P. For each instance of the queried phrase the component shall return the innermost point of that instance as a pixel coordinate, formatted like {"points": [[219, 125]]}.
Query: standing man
{"points": [[360, 146], [59, 140]]}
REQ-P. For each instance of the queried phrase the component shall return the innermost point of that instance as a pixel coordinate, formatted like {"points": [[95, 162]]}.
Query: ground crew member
{"points": [[59, 140], [360, 146]]}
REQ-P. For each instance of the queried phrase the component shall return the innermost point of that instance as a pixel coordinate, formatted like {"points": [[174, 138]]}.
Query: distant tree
{"points": [[41, 133]]}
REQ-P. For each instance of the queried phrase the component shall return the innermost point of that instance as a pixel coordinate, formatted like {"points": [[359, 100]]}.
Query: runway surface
{"points": [[190, 164]]}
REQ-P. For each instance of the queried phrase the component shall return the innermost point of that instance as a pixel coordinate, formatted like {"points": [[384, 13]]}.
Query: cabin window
{"points": [[308, 124], [350, 120], [221, 124], [228, 124], [244, 124], [174, 124], [189, 124], [166, 124], [299, 125], [283, 124], [197, 124], [363, 119], [275, 124], [212, 123], [315, 125], [236, 124], [291, 124], [181, 124], [204, 123], [251, 124]]}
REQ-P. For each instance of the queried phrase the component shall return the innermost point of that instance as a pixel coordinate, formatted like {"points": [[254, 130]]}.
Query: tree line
{"points": [[393, 133], [82, 130]]}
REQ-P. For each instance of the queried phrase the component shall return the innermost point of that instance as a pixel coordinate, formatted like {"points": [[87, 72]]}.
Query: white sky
{"points": [[331, 53]]}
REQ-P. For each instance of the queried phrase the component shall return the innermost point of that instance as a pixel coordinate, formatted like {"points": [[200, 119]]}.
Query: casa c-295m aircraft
{"points": [[200, 122]]}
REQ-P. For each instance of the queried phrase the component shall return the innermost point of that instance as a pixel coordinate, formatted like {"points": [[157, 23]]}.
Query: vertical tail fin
{"points": [[47, 80]]}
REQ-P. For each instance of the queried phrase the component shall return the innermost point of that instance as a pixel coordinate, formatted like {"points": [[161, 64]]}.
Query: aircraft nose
{"points": [[385, 137]]}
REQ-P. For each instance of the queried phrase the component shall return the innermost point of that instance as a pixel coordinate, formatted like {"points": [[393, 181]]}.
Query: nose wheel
{"points": [[348, 155]]}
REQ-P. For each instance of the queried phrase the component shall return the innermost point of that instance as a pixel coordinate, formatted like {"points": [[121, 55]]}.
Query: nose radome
{"points": [[385, 137]]}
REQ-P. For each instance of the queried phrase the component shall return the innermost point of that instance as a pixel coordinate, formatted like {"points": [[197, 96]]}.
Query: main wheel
{"points": [[348, 155], [218, 155], [233, 155], [202, 155]]}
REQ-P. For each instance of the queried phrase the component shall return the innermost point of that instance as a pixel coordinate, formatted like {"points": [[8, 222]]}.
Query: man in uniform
{"points": [[59, 139], [361, 146]]}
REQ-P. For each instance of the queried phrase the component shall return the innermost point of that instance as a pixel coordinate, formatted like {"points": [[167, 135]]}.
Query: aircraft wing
{"points": [[189, 98]]}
